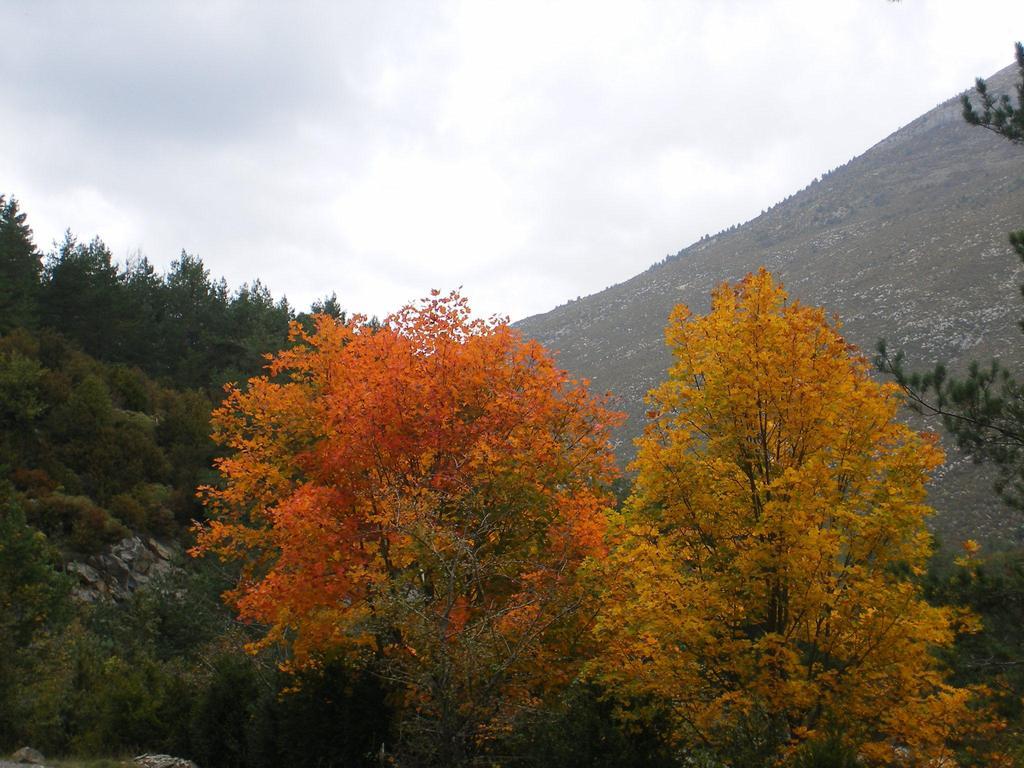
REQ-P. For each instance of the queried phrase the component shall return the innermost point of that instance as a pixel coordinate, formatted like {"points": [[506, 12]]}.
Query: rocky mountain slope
{"points": [[906, 242]]}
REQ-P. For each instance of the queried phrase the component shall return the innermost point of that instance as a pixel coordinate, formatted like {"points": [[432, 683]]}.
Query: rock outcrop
{"points": [[127, 565]]}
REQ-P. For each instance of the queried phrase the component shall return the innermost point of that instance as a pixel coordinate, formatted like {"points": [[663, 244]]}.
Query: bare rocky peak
{"points": [[906, 242]]}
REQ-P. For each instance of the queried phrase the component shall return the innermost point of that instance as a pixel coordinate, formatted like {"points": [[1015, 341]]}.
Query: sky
{"points": [[526, 153]]}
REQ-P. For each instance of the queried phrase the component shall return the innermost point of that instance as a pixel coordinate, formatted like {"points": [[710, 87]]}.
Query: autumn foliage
{"points": [[420, 495], [762, 587], [430, 499]]}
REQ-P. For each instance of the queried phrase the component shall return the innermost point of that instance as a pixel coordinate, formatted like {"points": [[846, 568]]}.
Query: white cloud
{"points": [[530, 152]]}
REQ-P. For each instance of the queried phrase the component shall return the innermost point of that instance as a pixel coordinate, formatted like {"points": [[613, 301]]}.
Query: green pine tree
{"points": [[20, 265], [998, 113], [82, 296]]}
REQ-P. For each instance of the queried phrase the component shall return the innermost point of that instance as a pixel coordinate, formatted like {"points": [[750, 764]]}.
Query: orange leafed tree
{"points": [[761, 589], [420, 495]]}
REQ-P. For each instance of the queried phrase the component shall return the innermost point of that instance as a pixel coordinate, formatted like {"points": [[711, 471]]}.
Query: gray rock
{"points": [[129, 550], [143, 564], [126, 566], [85, 573], [29, 756], [158, 549], [163, 761], [85, 595]]}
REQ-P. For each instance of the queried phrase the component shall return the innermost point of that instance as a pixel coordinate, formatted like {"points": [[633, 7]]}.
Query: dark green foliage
{"points": [[88, 409], [183, 433], [165, 671], [33, 600], [333, 717], [20, 266], [146, 508], [329, 305], [999, 114], [32, 591], [130, 389], [221, 717], [122, 704], [183, 327], [984, 411], [82, 297], [83, 527], [993, 588], [191, 327], [145, 297], [21, 404], [76, 434], [125, 677], [181, 617], [829, 751], [587, 729], [256, 324]]}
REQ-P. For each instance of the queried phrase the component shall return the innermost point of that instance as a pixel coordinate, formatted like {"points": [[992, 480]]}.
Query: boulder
{"points": [[161, 551], [130, 551], [29, 756]]}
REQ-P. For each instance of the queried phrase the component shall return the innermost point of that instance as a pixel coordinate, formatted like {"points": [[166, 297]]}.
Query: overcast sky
{"points": [[528, 152]]}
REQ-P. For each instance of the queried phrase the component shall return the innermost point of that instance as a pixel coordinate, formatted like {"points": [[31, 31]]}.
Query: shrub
{"points": [[75, 520]]}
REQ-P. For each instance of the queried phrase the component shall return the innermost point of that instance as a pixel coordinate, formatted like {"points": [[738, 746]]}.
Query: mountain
{"points": [[906, 242]]}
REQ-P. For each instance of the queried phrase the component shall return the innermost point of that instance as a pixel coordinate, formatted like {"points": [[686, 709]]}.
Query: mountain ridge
{"points": [[906, 241]]}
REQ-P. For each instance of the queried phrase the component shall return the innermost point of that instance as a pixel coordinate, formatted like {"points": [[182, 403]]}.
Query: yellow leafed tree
{"points": [[762, 585]]}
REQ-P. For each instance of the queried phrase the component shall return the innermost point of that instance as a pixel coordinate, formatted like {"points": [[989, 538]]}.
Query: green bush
{"points": [[130, 511], [587, 729], [829, 751], [130, 388], [33, 602], [94, 529], [132, 705], [222, 718], [33, 482], [334, 717], [76, 521]]}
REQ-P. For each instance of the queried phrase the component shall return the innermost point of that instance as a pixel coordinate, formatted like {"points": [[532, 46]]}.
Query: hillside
{"points": [[906, 242]]}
